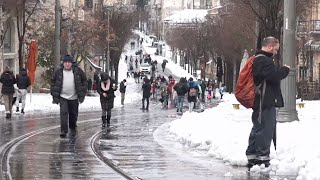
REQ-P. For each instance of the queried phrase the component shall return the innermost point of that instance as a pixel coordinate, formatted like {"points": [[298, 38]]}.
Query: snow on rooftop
{"points": [[187, 16]]}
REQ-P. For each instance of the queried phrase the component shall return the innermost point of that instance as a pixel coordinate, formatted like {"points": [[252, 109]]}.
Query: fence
{"points": [[308, 90]]}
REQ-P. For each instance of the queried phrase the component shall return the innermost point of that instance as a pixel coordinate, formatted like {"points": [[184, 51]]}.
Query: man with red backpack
{"points": [[267, 98]]}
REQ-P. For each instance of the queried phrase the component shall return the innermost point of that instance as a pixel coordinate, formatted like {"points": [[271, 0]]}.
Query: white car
{"points": [[145, 68]]}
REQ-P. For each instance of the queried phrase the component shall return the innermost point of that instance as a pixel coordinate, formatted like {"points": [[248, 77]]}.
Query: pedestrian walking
{"points": [[153, 89], [89, 84], [123, 86], [181, 89], [192, 93], [106, 89], [165, 93], [209, 89], [163, 65], [203, 87], [221, 90], [8, 80], [135, 76], [68, 88], [23, 82], [266, 102], [146, 90]]}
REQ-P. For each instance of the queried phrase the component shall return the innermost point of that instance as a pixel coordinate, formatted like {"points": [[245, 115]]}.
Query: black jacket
{"points": [[8, 80], [110, 92], [146, 87], [264, 68], [108, 101], [180, 88], [122, 87], [80, 81], [23, 80]]}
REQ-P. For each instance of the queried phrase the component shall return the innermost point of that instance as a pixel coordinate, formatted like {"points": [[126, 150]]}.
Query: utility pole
{"points": [[77, 9], [69, 29], [57, 35], [288, 85], [2, 38], [108, 46]]}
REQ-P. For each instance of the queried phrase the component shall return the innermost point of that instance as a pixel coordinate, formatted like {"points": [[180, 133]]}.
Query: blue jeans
{"points": [[180, 102], [262, 134]]}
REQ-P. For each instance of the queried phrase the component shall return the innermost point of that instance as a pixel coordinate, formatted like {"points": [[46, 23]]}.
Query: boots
{"points": [[108, 120], [8, 115], [142, 104], [17, 109], [103, 121], [22, 111]]}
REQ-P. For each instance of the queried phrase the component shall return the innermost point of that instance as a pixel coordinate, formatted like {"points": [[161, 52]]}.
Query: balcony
{"points": [[302, 27], [315, 26]]}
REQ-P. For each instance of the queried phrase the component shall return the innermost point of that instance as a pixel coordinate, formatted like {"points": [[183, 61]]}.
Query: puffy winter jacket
{"points": [[8, 80], [265, 69], [23, 80], [80, 81]]}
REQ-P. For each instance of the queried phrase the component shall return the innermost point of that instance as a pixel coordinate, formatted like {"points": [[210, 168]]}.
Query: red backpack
{"points": [[245, 88]]}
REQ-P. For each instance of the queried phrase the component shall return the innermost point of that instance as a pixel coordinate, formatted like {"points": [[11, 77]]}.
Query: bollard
{"points": [[300, 105], [236, 106]]}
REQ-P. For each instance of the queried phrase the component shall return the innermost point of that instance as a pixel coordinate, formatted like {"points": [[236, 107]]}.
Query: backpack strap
{"points": [[264, 83], [261, 99]]}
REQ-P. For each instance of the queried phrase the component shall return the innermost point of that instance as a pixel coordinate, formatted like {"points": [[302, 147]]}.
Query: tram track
{"points": [[6, 149]]}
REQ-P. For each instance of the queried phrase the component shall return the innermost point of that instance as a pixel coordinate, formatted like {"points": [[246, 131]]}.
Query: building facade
{"points": [[308, 33], [9, 48]]}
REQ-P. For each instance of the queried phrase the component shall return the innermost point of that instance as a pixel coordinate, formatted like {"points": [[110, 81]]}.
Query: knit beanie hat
{"points": [[7, 68], [67, 58]]}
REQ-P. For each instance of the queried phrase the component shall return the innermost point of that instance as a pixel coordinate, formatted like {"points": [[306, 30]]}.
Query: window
{"points": [[8, 62], [7, 38], [88, 4]]}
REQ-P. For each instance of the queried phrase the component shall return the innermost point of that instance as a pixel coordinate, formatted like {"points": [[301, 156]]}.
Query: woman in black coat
{"points": [[106, 88], [8, 80], [146, 88]]}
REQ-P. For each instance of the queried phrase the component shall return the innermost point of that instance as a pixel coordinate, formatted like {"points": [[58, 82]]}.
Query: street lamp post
{"points": [[57, 34], [288, 85], [107, 68]]}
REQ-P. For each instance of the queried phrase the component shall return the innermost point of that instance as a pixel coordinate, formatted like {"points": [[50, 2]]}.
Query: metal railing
{"points": [[308, 90], [303, 26], [315, 26]]}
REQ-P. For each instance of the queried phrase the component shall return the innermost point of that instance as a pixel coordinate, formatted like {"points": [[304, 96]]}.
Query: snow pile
{"points": [[223, 134], [41, 102]]}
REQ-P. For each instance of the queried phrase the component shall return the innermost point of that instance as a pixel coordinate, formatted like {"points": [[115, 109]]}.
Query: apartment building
{"points": [[308, 28], [9, 49]]}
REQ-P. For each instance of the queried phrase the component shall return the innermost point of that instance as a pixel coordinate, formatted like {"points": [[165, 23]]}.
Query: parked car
{"points": [[145, 68]]}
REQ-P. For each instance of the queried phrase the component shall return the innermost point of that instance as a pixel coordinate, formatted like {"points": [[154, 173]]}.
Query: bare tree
{"points": [[22, 10], [122, 22]]}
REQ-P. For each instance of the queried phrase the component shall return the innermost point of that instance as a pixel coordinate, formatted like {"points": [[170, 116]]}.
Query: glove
{"points": [[81, 100], [55, 100]]}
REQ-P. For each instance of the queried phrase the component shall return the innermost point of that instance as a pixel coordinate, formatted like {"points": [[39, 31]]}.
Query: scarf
{"points": [[105, 85]]}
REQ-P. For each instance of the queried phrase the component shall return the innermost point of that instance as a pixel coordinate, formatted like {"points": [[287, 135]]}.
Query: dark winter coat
{"points": [[122, 87], [23, 80], [107, 102], [181, 88], [163, 65], [89, 84], [146, 88], [8, 80], [80, 81], [192, 84], [264, 68], [203, 86]]}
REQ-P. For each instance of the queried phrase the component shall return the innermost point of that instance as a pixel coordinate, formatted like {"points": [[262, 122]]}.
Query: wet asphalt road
{"points": [[30, 148]]}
